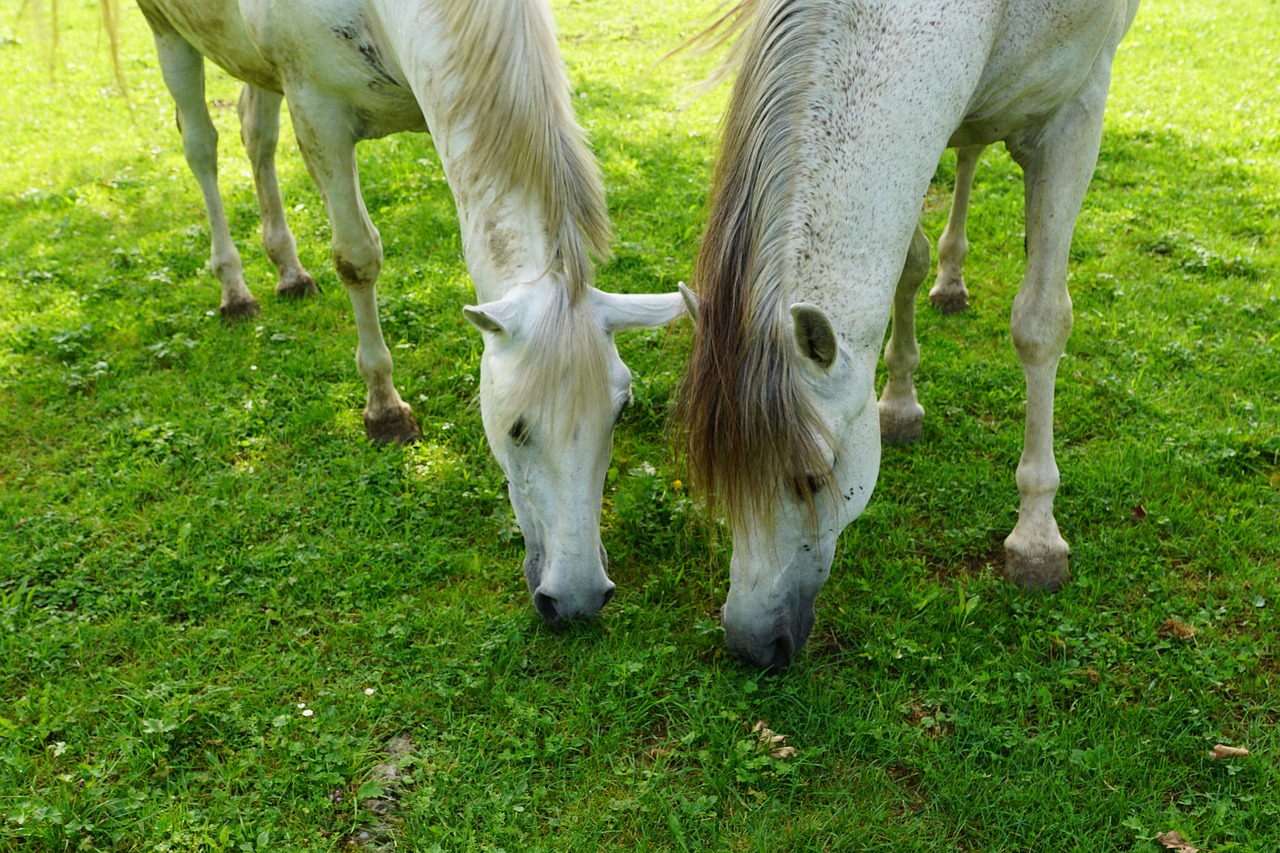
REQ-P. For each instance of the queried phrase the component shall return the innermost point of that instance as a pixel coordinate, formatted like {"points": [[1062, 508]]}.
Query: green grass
{"points": [[195, 539]]}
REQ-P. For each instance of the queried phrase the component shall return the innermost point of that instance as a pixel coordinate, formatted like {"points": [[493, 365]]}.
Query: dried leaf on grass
{"points": [[1174, 841], [1222, 751], [1176, 629], [776, 744]]}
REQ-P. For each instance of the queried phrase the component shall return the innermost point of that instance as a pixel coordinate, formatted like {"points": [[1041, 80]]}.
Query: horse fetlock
{"points": [[901, 362]]}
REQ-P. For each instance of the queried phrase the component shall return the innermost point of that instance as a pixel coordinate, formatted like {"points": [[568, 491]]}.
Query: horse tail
{"points": [[723, 30], [110, 10], [111, 22]]}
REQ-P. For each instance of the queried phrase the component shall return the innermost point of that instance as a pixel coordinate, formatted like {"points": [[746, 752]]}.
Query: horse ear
{"points": [[495, 317], [621, 311], [815, 338], [690, 300]]}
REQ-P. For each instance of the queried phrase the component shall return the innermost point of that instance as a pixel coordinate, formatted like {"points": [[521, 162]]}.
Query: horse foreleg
{"points": [[1057, 163], [901, 415], [260, 130], [949, 294], [183, 70], [328, 147]]}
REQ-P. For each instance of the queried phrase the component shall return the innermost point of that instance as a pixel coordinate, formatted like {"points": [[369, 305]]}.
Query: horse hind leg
{"points": [[183, 70], [901, 415], [260, 131], [949, 294]]}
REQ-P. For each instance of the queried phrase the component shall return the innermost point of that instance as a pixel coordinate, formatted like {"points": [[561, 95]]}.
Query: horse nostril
{"points": [[608, 596], [546, 607], [780, 653]]}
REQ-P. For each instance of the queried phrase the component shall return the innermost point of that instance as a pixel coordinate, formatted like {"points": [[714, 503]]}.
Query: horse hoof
{"points": [[1043, 572], [300, 287], [235, 311], [394, 426], [950, 299], [900, 424], [900, 431]]}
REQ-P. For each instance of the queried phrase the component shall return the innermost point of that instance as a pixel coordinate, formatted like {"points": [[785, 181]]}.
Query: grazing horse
{"points": [[839, 114], [486, 79]]}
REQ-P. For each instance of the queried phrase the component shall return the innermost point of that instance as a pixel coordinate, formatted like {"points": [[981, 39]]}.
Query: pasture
{"points": [[228, 622]]}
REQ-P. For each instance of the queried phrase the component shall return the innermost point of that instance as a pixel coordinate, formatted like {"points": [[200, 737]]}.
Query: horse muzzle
{"points": [[771, 641], [568, 587]]}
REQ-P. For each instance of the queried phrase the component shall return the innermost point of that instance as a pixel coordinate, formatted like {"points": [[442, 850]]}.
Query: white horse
{"points": [[839, 115], [486, 78]]}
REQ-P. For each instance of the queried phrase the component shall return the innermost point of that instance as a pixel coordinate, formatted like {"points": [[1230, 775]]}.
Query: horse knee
{"points": [[359, 266], [1040, 327]]}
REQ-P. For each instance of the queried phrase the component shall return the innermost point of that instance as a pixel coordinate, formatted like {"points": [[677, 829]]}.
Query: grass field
{"points": [[229, 623]]}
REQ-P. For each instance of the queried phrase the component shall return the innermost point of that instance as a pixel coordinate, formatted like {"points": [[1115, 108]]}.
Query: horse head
{"points": [[552, 388], [789, 448], [784, 538]]}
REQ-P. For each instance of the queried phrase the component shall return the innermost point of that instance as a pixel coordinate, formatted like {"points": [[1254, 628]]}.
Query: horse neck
{"points": [[492, 86], [882, 100], [836, 123], [506, 242]]}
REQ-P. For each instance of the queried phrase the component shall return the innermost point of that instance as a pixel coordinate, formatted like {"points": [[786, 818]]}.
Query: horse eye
{"points": [[626, 404], [519, 432], [808, 486]]}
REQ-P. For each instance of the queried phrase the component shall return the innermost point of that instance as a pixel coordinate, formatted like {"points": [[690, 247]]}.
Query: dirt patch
{"points": [[1176, 629], [931, 720], [375, 834], [970, 565]]}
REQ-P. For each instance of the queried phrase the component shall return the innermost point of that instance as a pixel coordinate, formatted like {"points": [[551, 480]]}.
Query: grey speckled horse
{"points": [[839, 114]]}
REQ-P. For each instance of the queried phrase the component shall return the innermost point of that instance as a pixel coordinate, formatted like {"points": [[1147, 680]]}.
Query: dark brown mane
{"points": [[742, 418]]}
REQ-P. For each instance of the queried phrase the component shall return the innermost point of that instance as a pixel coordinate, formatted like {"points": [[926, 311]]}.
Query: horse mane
{"points": [[743, 420], [514, 90]]}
